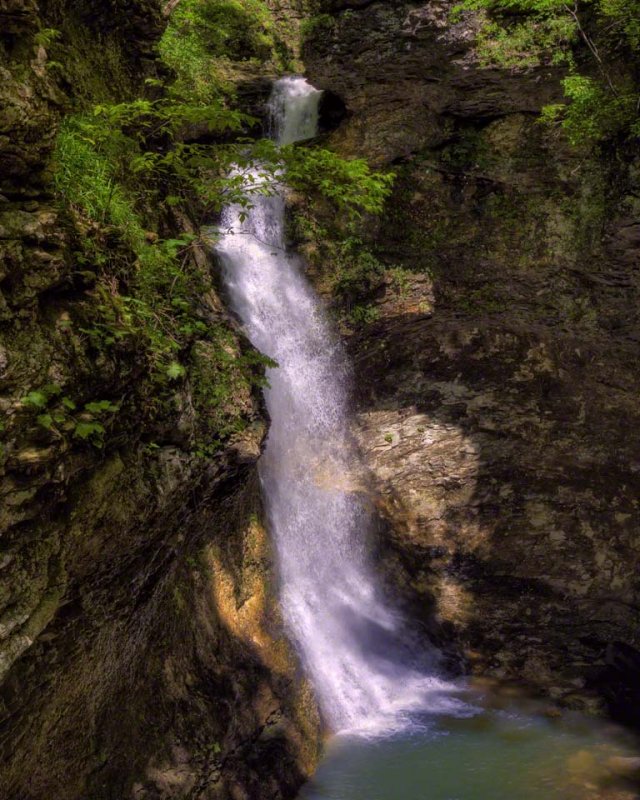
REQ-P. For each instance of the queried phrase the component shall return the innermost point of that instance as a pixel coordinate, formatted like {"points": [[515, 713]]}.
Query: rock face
{"points": [[497, 386], [141, 649], [161, 669]]}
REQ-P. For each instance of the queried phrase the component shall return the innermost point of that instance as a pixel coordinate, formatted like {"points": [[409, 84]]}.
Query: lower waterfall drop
{"points": [[367, 674]]}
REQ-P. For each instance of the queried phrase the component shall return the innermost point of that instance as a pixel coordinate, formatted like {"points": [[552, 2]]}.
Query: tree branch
{"points": [[592, 46]]}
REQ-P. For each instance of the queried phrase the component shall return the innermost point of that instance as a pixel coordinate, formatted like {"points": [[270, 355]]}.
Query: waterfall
{"points": [[366, 672]]}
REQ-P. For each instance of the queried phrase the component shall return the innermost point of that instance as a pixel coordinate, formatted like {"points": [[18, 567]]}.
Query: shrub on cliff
{"points": [[603, 101], [203, 34]]}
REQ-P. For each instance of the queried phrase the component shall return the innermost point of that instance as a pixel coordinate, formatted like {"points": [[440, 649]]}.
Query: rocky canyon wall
{"points": [[495, 352], [141, 648]]}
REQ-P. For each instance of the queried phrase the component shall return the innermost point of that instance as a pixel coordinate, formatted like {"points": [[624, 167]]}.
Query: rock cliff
{"points": [[141, 649], [496, 365]]}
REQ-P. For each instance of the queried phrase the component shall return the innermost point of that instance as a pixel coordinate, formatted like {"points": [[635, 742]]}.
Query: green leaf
{"points": [[174, 246], [101, 406], [87, 430], [46, 36], [175, 371], [36, 399]]}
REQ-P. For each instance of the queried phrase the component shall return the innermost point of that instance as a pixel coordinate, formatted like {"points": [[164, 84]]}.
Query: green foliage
{"points": [[91, 431], [97, 153], [175, 370], [348, 183], [203, 34], [221, 377], [94, 159], [526, 33], [147, 120], [86, 178], [349, 270], [237, 28], [363, 315], [102, 407], [593, 114], [35, 399], [40, 398], [624, 17], [60, 416], [523, 33], [45, 37], [400, 278], [519, 6], [527, 44], [357, 270]]}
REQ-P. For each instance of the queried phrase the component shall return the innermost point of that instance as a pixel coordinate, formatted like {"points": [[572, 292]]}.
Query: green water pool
{"points": [[504, 751]]}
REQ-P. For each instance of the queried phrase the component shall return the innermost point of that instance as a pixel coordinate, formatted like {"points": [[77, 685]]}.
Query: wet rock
{"points": [[624, 767]]}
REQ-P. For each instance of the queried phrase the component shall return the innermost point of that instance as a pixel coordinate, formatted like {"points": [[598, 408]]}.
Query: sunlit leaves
{"points": [[175, 370], [348, 183], [204, 35], [526, 33], [593, 113]]}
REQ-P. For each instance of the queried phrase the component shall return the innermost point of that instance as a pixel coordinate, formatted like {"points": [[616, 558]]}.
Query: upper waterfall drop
{"points": [[365, 670], [293, 110]]}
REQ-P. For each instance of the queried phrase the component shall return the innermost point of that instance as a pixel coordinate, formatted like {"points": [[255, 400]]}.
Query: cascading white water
{"points": [[352, 643]]}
